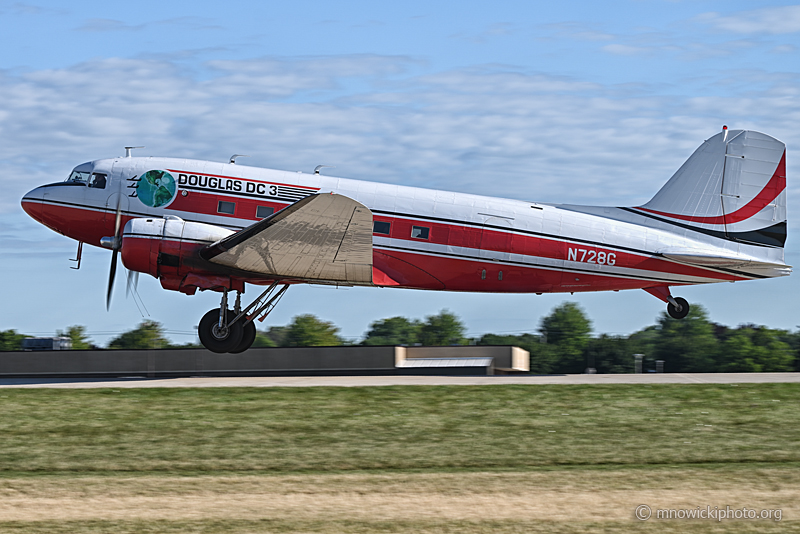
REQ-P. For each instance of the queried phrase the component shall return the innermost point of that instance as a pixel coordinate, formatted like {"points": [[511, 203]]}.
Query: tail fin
{"points": [[733, 186]]}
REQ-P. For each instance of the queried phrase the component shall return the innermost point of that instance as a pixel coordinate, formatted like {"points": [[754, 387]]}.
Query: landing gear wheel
{"points": [[248, 336], [219, 340], [676, 313]]}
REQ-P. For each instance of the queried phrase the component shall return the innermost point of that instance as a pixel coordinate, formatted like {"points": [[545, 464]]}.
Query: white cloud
{"points": [[108, 25], [112, 25], [491, 130], [589, 35], [769, 20], [499, 29], [784, 49], [625, 50]]}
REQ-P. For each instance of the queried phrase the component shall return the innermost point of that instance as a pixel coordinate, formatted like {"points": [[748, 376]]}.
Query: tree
{"points": [[77, 334], [442, 329], [687, 345], [148, 335], [309, 331], [644, 342], [567, 332], [609, 354], [11, 340], [522, 341], [751, 349], [263, 339], [277, 336], [393, 331]]}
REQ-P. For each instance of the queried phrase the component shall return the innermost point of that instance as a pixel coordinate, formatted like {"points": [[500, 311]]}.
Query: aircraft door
{"points": [[495, 247]]}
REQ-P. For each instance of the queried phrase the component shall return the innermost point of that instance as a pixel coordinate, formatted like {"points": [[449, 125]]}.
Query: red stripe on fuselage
{"points": [[468, 275], [535, 246]]}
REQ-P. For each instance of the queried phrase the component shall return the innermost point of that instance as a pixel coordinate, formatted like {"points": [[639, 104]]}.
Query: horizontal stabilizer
{"points": [[694, 257], [325, 238]]}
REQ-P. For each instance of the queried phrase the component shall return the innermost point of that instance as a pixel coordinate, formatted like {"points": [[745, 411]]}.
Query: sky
{"points": [[569, 102]]}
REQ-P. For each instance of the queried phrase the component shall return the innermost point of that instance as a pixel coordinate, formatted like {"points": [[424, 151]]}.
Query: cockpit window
{"points": [[98, 180], [80, 177]]}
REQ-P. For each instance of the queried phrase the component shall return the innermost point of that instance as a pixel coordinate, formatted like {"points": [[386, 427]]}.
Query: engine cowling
{"points": [[161, 248]]}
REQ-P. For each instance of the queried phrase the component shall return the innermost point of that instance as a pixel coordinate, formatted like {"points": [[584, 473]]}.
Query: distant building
{"points": [[46, 343]]}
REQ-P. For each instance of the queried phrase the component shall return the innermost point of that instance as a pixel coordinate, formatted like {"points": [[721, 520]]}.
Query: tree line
{"points": [[563, 342]]}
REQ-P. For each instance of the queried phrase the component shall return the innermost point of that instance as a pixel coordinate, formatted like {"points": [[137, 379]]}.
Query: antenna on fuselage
{"points": [[233, 158], [128, 150], [725, 131], [318, 167]]}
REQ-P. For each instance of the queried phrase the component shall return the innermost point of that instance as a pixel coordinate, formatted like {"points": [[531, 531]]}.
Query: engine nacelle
{"points": [[160, 247]]}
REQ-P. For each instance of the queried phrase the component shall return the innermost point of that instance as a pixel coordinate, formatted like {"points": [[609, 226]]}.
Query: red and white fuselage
{"points": [[439, 240]]}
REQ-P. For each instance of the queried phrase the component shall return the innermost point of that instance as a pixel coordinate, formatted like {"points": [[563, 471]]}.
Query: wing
{"points": [[325, 238]]}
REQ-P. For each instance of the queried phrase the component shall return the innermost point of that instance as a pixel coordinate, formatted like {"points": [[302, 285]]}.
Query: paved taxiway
{"points": [[360, 381]]}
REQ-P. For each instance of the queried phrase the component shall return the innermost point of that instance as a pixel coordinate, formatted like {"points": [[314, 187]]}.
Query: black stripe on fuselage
{"points": [[772, 236], [293, 198]]}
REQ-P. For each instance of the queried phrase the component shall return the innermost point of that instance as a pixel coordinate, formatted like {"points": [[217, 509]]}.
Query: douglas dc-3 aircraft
{"points": [[218, 226]]}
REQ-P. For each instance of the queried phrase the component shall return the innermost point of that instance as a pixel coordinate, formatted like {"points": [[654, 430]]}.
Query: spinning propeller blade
{"points": [[133, 281], [117, 245]]}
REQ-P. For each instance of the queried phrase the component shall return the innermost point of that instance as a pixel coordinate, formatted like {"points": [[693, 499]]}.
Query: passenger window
{"points": [[262, 212], [420, 232], [380, 227], [226, 207], [98, 181]]}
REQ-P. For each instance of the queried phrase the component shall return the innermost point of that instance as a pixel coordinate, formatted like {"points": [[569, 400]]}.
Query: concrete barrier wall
{"points": [[257, 361], [173, 362]]}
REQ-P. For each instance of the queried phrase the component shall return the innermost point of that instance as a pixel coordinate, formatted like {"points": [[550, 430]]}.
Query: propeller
{"points": [[133, 281], [116, 245]]}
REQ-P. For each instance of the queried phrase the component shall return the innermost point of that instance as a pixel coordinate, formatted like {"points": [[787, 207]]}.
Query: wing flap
{"points": [[325, 238]]}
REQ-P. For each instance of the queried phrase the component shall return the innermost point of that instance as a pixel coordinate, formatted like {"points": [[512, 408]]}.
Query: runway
{"points": [[372, 381]]}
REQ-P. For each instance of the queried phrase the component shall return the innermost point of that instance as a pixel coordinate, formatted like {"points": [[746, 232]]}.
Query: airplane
{"points": [[217, 226]]}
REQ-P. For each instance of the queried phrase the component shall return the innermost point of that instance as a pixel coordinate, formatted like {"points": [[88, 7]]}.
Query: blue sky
{"points": [[575, 102]]}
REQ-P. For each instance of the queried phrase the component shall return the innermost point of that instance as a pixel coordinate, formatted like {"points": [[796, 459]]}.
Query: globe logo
{"points": [[156, 188]]}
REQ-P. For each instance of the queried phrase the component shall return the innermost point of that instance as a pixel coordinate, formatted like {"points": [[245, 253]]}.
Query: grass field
{"points": [[397, 459]]}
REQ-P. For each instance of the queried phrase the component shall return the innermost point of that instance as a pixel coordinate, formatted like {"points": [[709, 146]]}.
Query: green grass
{"points": [[396, 459], [280, 430]]}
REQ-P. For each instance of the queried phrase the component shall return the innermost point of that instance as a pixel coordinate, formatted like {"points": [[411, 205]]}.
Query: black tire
{"points": [[248, 337], [673, 311], [212, 339]]}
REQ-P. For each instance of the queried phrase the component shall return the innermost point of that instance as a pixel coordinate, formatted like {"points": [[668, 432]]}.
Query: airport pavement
{"points": [[362, 381]]}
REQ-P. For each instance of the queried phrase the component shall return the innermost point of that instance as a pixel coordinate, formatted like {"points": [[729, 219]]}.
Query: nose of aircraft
{"points": [[32, 203]]}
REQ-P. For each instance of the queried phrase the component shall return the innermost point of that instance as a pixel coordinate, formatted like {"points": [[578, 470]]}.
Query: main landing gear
{"points": [[677, 307], [223, 330]]}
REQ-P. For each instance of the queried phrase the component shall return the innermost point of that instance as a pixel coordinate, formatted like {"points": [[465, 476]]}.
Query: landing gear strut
{"points": [[677, 307], [223, 330]]}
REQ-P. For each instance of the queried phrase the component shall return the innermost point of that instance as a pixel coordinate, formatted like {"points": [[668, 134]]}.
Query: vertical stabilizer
{"points": [[733, 186]]}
